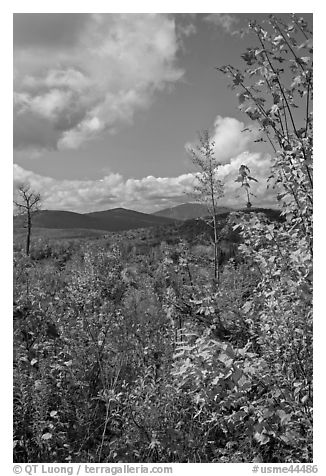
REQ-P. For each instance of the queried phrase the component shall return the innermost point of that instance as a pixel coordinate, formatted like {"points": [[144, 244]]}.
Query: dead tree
{"points": [[27, 203]]}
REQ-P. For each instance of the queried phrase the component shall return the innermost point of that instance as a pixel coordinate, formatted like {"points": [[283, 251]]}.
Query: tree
{"points": [[209, 188], [245, 178], [27, 203], [266, 405], [275, 91]]}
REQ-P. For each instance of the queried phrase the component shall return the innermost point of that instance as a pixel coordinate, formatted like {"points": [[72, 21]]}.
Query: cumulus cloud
{"points": [[223, 20], [259, 165], [232, 148], [231, 137], [150, 193], [146, 194], [232, 140], [92, 81]]}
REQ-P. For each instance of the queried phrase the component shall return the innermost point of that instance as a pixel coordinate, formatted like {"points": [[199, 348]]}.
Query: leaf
{"points": [[53, 413], [261, 438], [278, 39], [254, 115], [46, 436], [284, 417], [237, 375], [216, 380], [227, 361], [242, 97], [304, 399], [267, 121], [243, 381], [306, 44], [247, 306], [276, 98], [243, 169], [291, 437], [237, 79]]}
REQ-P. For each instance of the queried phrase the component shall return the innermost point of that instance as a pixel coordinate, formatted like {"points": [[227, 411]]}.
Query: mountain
{"points": [[199, 231], [195, 229], [58, 219], [122, 219], [187, 211], [117, 219]]}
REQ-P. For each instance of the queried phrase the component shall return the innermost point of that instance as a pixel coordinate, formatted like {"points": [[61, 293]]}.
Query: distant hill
{"points": [[53, 224], [118, 219], [59, 219], [123, 219], [194, 229], [187, 211]]}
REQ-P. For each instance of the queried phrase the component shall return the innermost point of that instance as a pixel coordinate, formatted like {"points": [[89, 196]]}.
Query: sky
{"points": [[106, 107]]}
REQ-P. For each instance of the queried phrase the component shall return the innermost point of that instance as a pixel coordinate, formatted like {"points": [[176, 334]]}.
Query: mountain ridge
{"points": [[118, 219], [188, 211], [122, 219]]}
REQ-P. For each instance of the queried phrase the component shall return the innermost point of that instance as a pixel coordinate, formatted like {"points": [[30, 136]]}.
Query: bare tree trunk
{"points": [[216, 266], [28, 203], [28, 237]]}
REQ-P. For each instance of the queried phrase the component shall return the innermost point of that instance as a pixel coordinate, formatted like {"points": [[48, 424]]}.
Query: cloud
{"points": [[49, 105], [223, 20], [150, 193], [185, 26], [111, 191], [232, 148], [104, 69], [259, 165], [231, 137], [232, 140]]}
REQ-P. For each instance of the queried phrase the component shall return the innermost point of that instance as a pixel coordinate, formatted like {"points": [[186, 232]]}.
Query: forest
{"points": [[186, 343]]}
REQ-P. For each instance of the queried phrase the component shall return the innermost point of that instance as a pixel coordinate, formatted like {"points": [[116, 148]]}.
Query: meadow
{"points": [[126, 350]]}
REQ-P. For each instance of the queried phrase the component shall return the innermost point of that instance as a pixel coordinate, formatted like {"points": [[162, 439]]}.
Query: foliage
{"points": [[276, 91], [126, 351]]}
